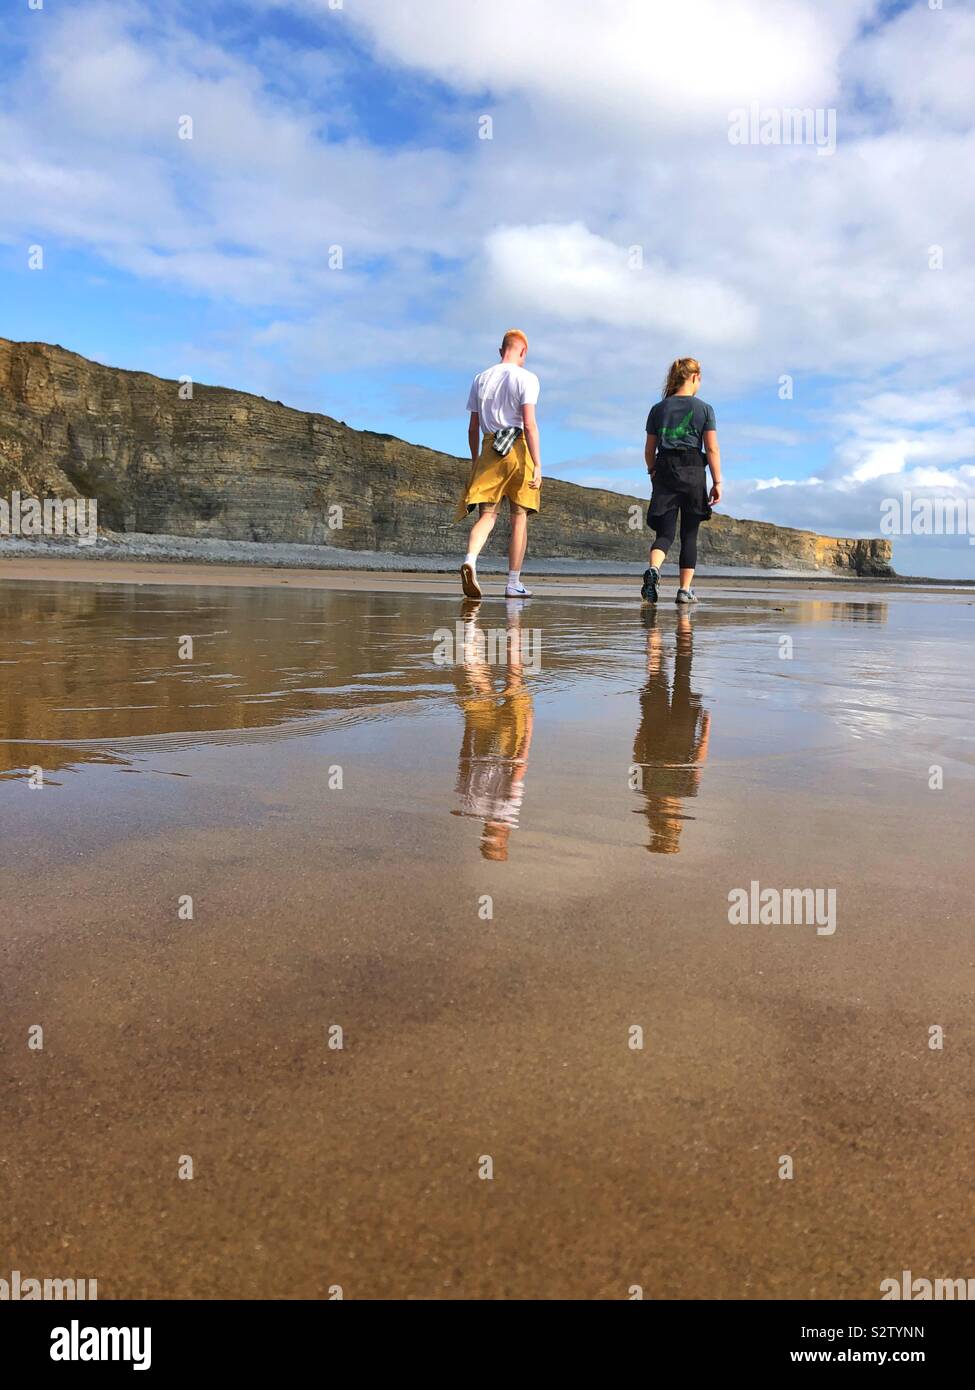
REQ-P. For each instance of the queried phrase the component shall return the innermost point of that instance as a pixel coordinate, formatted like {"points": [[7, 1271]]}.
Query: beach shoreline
{"points": [[190, 560], [216, 574]]}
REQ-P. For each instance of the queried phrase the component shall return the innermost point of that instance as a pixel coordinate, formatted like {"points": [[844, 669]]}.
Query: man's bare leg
{"points": [[481, 529], [516, 551], [519, 537]]}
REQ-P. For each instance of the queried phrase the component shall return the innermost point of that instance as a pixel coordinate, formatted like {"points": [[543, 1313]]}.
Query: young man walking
{"points": [[506, 460]]}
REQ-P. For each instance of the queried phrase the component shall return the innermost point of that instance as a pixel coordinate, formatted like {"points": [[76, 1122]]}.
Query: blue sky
{"points": [[359, 126]]}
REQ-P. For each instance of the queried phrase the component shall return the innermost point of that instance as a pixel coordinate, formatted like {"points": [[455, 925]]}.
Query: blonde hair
{"points": [[679, 371], [513, 335]]}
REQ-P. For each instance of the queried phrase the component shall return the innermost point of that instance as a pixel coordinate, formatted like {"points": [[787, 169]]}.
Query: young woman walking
{"points": [[678, 428]]}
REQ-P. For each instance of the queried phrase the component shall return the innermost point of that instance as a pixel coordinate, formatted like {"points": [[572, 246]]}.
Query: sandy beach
{"points": [[381, 573], [496, 878]]}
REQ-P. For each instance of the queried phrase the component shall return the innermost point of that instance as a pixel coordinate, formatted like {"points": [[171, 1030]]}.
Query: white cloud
{"points": [[938, 404], [630, 62], [761, 434], [569, 273], [921, 63], [761, 484], [854, 503], [246, 209], [878, 451]]}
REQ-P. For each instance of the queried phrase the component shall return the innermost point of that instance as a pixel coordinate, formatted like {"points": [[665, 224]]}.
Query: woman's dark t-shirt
{"points": [[680, 422]]}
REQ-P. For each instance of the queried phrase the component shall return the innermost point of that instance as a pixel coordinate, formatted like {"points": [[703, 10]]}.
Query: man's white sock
{"points": [[471, 560], [514, 578]]}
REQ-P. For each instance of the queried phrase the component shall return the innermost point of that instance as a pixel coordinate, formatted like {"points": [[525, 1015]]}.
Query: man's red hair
{"points": [[513, 335]]}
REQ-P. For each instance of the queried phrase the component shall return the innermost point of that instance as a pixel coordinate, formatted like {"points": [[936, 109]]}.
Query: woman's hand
{"points": [[714, 496], [536, 481]]}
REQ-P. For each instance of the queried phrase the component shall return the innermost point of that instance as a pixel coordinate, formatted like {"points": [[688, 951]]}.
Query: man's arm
{"points": [[530, 426], [474, 435], [650, 453], [713, 454]]}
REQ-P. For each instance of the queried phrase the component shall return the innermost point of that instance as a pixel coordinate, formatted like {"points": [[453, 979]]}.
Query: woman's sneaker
{"points": [[651, 582], [686, 596], [517, 591]]}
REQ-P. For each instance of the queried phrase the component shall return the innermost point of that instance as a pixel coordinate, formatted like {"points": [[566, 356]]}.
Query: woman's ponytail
{"points": [[679, 371]]}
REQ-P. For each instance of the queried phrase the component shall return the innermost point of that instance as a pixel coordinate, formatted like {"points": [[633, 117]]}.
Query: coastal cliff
{"points": [[233, 466]]}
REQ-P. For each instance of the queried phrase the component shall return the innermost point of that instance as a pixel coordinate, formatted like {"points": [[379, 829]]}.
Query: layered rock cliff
{"points": [[239, 467]]}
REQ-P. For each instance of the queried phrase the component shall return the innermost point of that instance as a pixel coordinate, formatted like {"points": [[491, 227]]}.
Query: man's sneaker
{"points": [[651, 580], [519, 591], [468, 579], [686, 596]]}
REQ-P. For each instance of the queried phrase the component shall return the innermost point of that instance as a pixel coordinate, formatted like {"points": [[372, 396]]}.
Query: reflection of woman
{"points": [[671, 742], [497, 737]]}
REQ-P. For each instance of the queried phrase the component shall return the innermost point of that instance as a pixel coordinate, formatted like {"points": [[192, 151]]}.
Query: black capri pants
{"points": [[680, 488]]}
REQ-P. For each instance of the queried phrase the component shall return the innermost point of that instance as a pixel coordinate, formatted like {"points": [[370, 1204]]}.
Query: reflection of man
{"points": [[497, 736], [671, 743]]}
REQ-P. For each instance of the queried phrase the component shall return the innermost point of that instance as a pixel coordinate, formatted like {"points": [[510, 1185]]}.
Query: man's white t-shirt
{"points": [[499, 394]]}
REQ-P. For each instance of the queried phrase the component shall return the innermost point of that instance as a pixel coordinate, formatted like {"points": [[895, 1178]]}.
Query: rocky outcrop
{"points": [[230, 465]]}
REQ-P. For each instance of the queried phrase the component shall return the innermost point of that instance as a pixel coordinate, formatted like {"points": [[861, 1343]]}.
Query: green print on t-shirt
{"points": [[674, 434]]}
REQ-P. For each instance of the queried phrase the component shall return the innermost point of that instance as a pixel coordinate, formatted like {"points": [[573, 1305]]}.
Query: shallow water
{"points": [[391, 815], [96, 671]]}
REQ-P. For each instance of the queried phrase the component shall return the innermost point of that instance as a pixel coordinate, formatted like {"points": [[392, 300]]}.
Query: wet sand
{"points": [[65, 568], [363, 907]]}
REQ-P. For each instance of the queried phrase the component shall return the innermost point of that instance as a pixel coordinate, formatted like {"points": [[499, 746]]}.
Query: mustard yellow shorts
{"points": [[493, 477]]}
